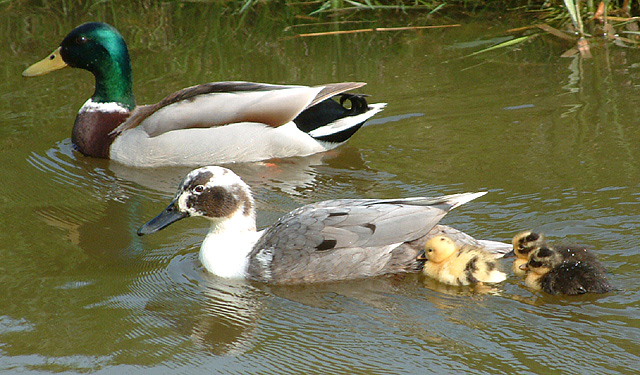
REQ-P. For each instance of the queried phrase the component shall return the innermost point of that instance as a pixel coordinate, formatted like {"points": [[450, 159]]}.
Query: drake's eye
{"points": [[81, 39], [198, 189]]}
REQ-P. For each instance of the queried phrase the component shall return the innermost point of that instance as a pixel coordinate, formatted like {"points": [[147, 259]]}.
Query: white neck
{"points": [[225, 249]]}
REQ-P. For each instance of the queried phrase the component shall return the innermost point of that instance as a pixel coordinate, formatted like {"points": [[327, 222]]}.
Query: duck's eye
{"points": [[429, 250], [81, 39], [198, 189]]}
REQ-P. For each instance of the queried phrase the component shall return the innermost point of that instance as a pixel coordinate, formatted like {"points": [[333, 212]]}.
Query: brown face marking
{"points": [[215, 201]]}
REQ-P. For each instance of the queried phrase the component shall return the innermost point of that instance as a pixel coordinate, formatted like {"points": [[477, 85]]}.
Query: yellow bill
{"points": [[48, 64]]}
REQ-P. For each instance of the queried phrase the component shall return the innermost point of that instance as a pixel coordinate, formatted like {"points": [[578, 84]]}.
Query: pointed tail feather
{"points": [[457, 200]]}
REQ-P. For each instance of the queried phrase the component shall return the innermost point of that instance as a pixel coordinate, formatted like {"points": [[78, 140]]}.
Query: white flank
{"points": [[241, 142]]}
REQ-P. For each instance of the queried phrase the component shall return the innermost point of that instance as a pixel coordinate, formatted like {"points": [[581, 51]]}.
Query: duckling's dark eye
{"points": [[430, 250], [81, 39], [198, 189], [535, 264]]}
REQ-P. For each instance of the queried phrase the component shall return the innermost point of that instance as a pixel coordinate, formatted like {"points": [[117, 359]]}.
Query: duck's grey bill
{"points": [[170, 215], [509, 254]]}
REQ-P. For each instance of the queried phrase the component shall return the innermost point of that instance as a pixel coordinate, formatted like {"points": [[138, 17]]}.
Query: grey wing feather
{"points": [[141, 113], [373, 237], [318, 229], [344, 223]]}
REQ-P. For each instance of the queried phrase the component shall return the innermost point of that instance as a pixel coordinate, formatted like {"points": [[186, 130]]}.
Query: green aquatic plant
{"points": [[573, 8]]}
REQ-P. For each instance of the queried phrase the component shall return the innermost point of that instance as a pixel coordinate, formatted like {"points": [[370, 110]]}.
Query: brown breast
{"points": [[91, 132]]}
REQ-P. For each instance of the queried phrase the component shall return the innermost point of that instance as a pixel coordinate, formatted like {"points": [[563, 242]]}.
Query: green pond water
{"points": [[554, 140]]}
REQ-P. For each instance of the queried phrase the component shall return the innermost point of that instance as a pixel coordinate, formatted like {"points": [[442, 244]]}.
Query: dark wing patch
{"points": [[326, 245]]}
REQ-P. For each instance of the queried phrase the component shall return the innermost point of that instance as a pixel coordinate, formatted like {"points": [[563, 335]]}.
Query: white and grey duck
{"points": [[324, 241]]}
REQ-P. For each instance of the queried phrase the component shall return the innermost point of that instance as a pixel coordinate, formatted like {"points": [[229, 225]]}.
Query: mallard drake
{"points": [[452, 264], [523, 244], [547, 270], [217, 122], [325, 241]]}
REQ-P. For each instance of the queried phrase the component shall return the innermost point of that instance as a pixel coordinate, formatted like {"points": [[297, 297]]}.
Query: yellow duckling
{"points": [[451, 264], [549, 271], [523, 244]]}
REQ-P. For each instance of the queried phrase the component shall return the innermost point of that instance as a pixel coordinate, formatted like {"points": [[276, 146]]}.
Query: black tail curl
{"points": [[329, 111], [358, 103]]}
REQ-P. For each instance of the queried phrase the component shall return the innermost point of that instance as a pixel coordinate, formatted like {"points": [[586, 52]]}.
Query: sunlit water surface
{"points": [[554, 140]]}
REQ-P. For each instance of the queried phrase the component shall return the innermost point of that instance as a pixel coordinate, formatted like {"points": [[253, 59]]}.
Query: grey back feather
{"points": [[365, 231]]}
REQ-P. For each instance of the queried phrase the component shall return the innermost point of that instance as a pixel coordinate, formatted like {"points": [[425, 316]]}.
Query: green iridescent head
{"points": [[100, 49]]}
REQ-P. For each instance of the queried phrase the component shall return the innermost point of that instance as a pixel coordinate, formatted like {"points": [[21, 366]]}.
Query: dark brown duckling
{"points": [[576, 253], [548, 271]]}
